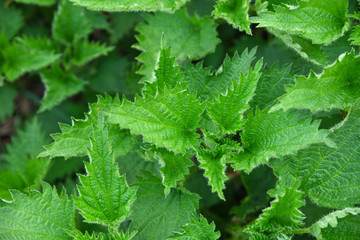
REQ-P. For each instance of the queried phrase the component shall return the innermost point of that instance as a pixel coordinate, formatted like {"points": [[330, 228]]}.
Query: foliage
{"points": [[226, 119]]}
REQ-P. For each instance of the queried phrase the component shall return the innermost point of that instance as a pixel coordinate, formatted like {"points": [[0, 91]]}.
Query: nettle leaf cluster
{"points": [[277, 123]]}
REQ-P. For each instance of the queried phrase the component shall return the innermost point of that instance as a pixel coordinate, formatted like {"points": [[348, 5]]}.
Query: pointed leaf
{"points": [[59, 85], [283, 213], [173, 168], [214, 164], [329, 176], [85, 51], [104, 196], [337, 225], [74, 140], [355, 35], [320, 21], [209, 86], [26, 216], [156, 217], [274, 135], [28, 54], [227, 111], [235, 12], [271, 85], [199, 229], [336, 87], [131, 5], [167, 120], [77, 235], [197, 34], [70, 23]]}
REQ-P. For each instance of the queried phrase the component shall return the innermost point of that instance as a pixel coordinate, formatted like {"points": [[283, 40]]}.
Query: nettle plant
{"points": [[289, 137]]}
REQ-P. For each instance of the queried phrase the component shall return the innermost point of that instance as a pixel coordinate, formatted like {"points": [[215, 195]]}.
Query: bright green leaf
{"points": [[74, 140], [329, 176], [320, 21], [355, 35], [283, 213], [26, 216], [28, 54], [214, 164], [104, 196], [336, 87], [227, 111], [193, 40], [77, 235], [199, 229], [274, 135], [271, 85], [156, 217], [85, 51], [70, 23], [341, 224], [173, 168], [131, 5], [235, 12], [209, 85], [168, 120]]}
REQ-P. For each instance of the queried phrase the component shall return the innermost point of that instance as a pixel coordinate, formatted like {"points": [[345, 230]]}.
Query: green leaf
{"points": [[131, 5], [304, 47], [77, 235], [11, 20], [7, 97], [173, 168], [156, 217], [122, 23], [320, 21], [22, 169], [341, 224], [355, 35], [168, 120], [274, 135], [257, 183], [329, 176], [227, 111], [199, 229], [283, 214], [209, 86], [271, 85], [214, 163], [27, 144], [59, 86], [235, 12], [336, 87], [70, 23], [28, 54], [85, 51], [37, 2], [26, 216], [166, 73], [197, 34], [104, 196], [74, 140]]}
